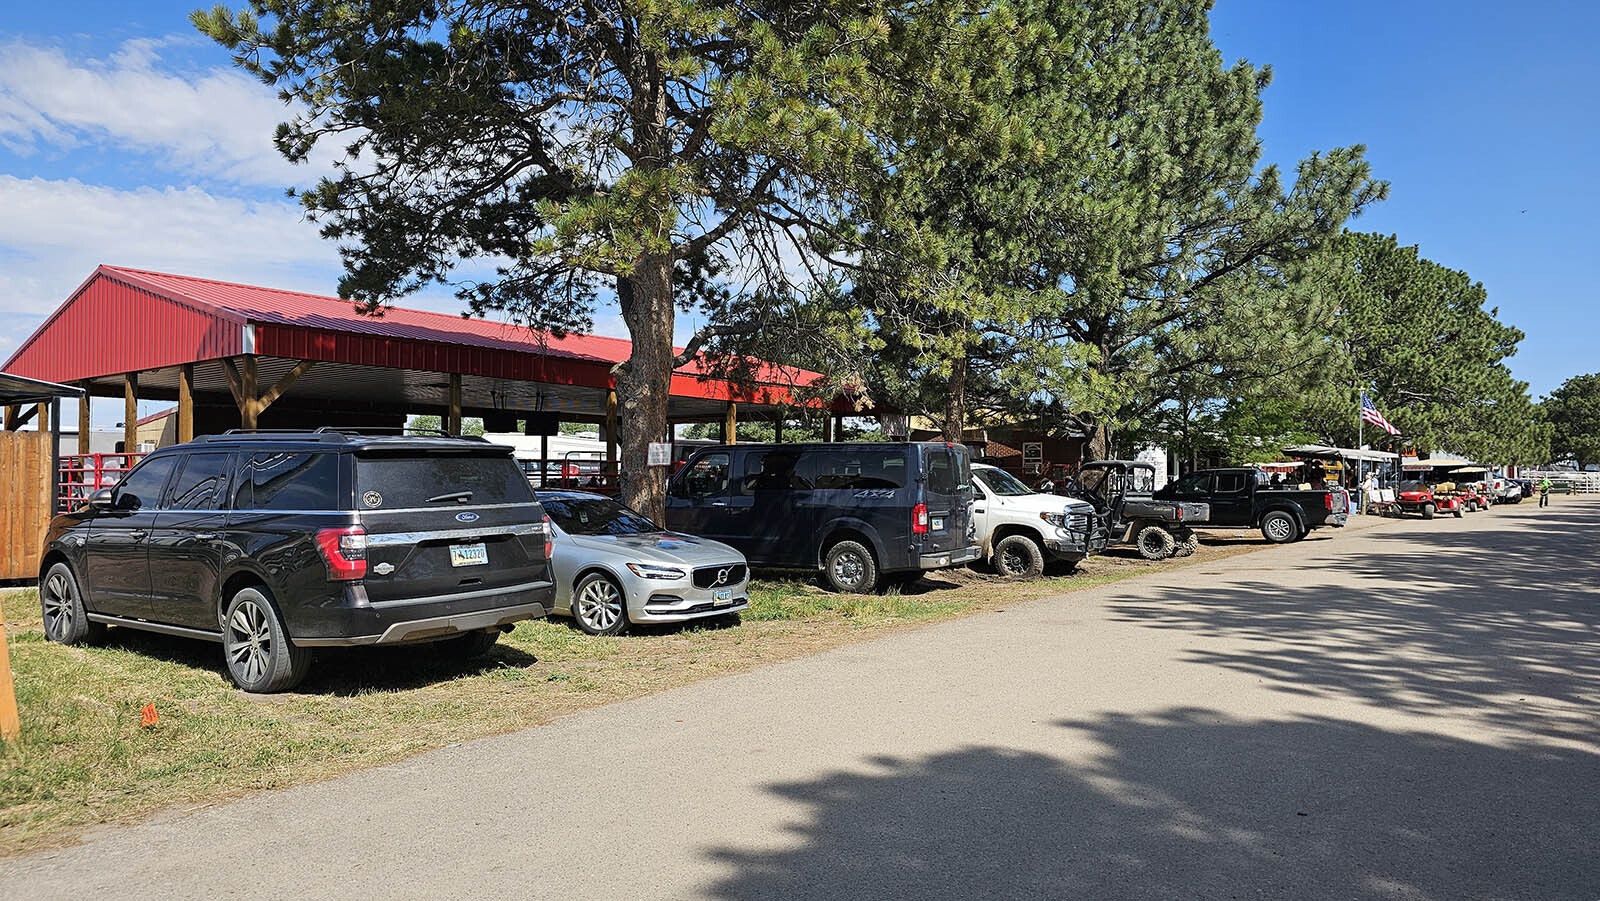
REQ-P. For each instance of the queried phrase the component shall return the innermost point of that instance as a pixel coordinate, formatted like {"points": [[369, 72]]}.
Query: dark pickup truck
{"points": [[1241, 499]]}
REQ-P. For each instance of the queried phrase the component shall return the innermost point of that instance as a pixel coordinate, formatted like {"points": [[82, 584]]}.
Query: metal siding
{"points": [[111, 328]]}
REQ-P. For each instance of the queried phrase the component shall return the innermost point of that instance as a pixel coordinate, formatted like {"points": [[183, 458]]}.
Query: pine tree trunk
{"points": [[955, 403], [644, 381], [1099, 447]]}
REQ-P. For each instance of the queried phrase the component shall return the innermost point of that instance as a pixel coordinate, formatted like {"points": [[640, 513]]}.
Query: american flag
{"points": [[1370, 414]]}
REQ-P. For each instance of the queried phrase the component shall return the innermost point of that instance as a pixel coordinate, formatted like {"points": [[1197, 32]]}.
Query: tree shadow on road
{"points": [[1191, 804], [1500, 624]]}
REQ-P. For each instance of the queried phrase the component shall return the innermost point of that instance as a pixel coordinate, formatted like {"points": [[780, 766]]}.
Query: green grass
{"points": [[83, 757]]}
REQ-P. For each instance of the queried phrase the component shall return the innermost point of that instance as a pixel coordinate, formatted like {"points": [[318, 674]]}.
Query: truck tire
{"points": [[1427, 511], [1279, 527], [1188, 543], [1155, 543], [1018, 557]]}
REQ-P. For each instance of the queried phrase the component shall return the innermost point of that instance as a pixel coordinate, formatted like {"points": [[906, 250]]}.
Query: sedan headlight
{"points": [[652, 571]]}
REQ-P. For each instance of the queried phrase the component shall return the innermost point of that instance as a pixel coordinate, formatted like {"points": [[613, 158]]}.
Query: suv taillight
{"points": [[549, 539], [345, 552], [919, 519]]}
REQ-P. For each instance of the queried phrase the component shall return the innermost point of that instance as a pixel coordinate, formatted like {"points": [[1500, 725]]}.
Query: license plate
{"points": [[722, 596], [937, 524], [468, 554]]}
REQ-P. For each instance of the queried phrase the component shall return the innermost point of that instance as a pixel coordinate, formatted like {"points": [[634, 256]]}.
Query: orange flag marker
{"points": [[147, 716]]}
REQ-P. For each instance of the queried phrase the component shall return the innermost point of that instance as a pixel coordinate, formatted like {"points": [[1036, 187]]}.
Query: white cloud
{"points": [[217, 122], [55, 232]]}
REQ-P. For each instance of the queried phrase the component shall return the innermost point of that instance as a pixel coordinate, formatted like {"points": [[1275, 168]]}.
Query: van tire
{"points": [[849, 568], [1155, 543], [1018, 557]]}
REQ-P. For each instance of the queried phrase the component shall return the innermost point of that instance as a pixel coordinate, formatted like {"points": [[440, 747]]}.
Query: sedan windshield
{"points": [[595, 516], [1001, 482]]}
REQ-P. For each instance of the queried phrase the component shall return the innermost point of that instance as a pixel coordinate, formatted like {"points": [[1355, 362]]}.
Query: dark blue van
{"points": [[863, 514]]}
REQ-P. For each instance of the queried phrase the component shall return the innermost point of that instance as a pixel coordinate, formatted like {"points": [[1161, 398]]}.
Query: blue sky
{"points": [[138, 144]]}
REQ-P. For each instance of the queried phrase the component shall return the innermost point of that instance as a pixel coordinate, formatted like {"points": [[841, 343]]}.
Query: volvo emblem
{"points": [[468, 516], [722, 576]]}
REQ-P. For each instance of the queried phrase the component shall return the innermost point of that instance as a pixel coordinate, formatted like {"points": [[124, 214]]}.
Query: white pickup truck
{"points": [[1019, 529]]}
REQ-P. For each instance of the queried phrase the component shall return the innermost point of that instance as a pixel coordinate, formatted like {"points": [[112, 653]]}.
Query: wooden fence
{"points": [[26, 484]]}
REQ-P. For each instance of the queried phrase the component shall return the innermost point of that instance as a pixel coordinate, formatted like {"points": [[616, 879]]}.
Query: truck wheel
{"points": [[1279, 527], [1018, 557], [1188, 543], [1427, 511], [1155, 543], [849, 568]]}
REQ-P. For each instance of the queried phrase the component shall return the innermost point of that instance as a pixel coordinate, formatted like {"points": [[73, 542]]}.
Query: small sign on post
{"points": [[660, 453]]}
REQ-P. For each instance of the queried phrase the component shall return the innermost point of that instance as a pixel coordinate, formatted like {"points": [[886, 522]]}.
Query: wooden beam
{"points": [[186, 402], [730, 424], [453, 414], [83, 419], [276, 391], [235, 382], [130, 412], [23, 416], [11, 418], [250, 412], [611, 426], [42, 414]]}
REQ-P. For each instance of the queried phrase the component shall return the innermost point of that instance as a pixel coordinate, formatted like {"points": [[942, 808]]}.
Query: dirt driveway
{"points": [[1403, 711]]}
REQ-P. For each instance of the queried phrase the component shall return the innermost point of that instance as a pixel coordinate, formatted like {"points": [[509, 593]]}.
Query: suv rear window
{"points": [[389, 483]]}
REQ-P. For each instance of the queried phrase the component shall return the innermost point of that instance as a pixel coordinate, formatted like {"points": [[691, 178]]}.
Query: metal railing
{"points": [[1566, 480], [81, 475]]}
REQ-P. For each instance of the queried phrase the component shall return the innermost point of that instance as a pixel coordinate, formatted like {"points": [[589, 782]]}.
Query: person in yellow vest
{"points": [[1544, 491]]}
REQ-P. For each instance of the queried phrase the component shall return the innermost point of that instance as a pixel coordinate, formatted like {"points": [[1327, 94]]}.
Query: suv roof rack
{"points": [[331, 434]]}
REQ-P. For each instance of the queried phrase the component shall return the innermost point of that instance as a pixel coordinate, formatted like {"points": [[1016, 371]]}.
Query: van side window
{"points": [[289, 482], [776, 470], [868, 468], [707, 476]]}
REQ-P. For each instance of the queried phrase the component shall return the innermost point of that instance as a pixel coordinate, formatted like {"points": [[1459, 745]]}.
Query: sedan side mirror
{"points": [[104, 499]]}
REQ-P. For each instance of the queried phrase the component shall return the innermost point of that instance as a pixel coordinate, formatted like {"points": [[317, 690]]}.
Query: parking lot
{"points": [[1405, 710]]}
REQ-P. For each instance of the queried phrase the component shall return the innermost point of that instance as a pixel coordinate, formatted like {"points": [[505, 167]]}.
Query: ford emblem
{"points": [[468, 516]]}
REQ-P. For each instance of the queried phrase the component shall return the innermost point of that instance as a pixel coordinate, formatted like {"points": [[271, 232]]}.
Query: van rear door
{"points": [[947, 492]]}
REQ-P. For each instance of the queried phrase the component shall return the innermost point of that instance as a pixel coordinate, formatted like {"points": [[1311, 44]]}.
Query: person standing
{"points": [[1369, 488], [1544, 491]]}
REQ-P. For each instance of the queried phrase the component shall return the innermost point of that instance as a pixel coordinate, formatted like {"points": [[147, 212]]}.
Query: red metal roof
{"points": [[131, 320]]}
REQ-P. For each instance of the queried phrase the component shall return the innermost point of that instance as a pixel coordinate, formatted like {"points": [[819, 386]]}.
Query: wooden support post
{"points": [[186, 402], [827, 427], [10, 723], [12, 418], [250, 411], [83, 419], [452, 423], [242, 381], [611, 427], [730, 424], [130, 413]]}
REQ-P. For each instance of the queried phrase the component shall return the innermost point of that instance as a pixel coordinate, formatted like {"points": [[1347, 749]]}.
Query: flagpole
{"points": [[1361, 463]]}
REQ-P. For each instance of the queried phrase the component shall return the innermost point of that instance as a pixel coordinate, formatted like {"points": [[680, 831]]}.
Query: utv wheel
{"points": [[1279, 527], [256, 646], [468, 646], [598, 605], [65, 619], [1155, 543], [1427, 511], [848, 567], [1018, 557], [1188, 543]]}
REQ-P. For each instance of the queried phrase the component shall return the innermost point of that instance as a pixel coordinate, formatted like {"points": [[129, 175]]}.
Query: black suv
{"points": [[277, 543]]}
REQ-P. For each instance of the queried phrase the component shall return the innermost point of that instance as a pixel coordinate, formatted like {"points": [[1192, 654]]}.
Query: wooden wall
{"points": [[25, 486]]}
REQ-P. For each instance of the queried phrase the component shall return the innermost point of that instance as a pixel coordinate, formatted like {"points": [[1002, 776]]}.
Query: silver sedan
{"points": [[613, 567]]}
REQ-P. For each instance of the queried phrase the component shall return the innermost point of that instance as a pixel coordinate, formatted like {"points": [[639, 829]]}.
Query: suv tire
{"points": [[848, 568], [256, 647], [61, 604], [1018, 557], [1155, 543]]}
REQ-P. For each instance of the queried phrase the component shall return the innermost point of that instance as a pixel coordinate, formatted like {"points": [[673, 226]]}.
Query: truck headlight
{"points": [[1059, 520]]}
